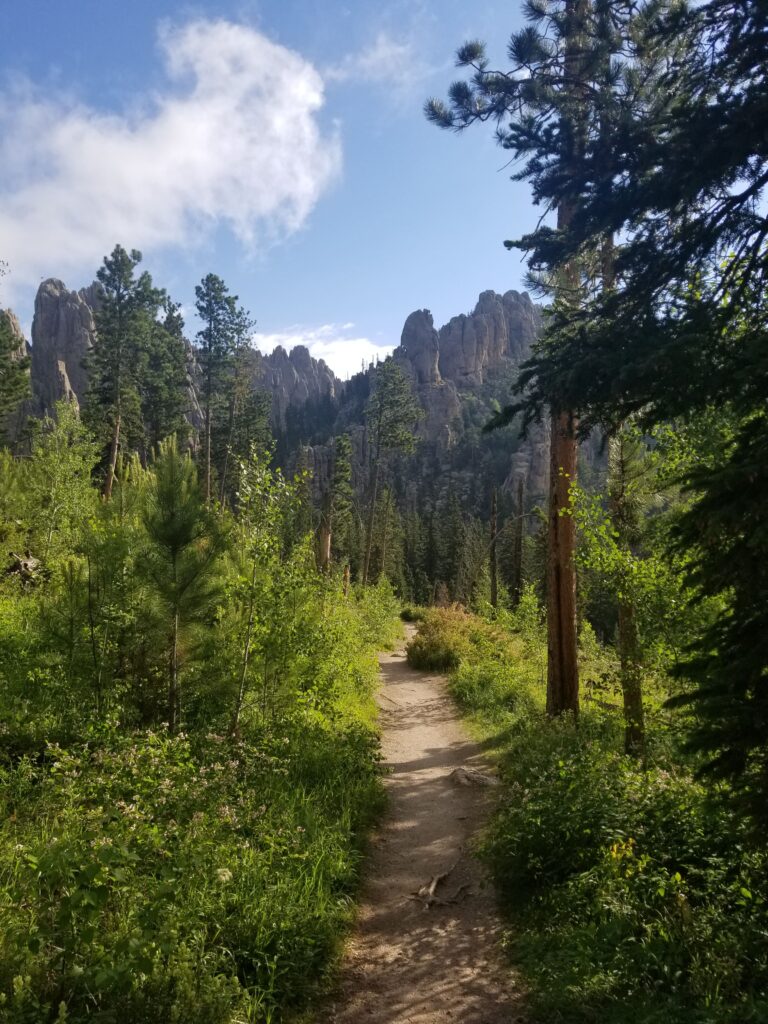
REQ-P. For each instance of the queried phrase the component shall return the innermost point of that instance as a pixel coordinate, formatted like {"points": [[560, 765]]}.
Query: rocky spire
{"points": [[63, 330]]}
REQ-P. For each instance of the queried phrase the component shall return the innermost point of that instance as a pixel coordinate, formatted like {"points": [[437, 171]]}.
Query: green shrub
{"points": [[442, 639], [633, 900], [412, 613], [147, 877]]}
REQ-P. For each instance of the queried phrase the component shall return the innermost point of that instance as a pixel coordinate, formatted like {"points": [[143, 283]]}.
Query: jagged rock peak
{"points": [[419, 347], [295, 378], [63, 330], [500, 330]]}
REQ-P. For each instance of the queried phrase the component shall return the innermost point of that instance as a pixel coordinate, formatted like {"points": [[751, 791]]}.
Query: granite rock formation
{"points": [[63, 330], [294, 379], [475, 356], [13, 424], [496, 335]]}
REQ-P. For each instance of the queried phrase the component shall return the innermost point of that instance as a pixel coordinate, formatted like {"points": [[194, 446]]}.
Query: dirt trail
{"points": [[409, 963]]}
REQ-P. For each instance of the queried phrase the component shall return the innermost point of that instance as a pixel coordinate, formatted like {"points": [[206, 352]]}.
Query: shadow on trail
{"points": [[417, 959]]}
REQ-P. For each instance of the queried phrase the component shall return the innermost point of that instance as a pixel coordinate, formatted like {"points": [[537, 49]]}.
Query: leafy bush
{"points": [[412, 613], [206, 877], [634, 899], [443, 638]]}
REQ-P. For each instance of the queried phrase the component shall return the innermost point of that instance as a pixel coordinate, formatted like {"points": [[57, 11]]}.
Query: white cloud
{"points": [[233, 138], [387, 61], [344, 353]]}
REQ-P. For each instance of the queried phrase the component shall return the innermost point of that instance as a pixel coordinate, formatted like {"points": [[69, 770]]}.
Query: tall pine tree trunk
{"points": [[371, 517], [173, 677], [228, 450], [233, 725], [385, 532], [114, 448], [493, 566], [517, 568], [630, 652], [562, 643], [208, 389], [324, 532], [562, 658]]}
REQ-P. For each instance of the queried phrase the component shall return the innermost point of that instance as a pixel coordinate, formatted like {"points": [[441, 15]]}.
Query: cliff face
{"points": [[460, 370], [294, 379], [22, 348], [495, 336], [63, 330]]}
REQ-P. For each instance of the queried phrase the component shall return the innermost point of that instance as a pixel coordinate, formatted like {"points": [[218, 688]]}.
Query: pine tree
{"points": [[688, 177], [341, 501], [124, 324], [217, 339], [163, 380], [183, 545], [390, 416], [544, 101], [14, 371], [493, 558], [627, 472]]}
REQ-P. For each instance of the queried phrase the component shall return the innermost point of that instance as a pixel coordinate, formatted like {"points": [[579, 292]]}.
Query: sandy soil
{"points": [[413, 960]]}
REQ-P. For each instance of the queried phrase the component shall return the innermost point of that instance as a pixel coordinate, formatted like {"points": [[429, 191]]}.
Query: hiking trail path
{"points": [[426, 946]]}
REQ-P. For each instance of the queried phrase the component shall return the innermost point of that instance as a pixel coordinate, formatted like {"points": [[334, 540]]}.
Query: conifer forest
{"points": [[439, 693]]}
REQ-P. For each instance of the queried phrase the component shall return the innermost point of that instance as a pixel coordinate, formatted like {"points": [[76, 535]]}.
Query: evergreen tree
{"points": [[390, 416], [58, 481], [545, 97], [341, 505], [688, 174], [241, 420], [163, 378], [14, 371], [124, 324], [452, 540], [627, 472], [217, 340], [182, 550]]}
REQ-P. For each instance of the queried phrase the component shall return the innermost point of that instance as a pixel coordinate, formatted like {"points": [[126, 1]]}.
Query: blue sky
{"points": [[278, 143]]}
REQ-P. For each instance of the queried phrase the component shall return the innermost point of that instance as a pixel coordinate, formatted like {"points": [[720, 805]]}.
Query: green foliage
{"points": [[633, 896], [14, 370], [57, 495], [149, 873], [179, 561], [148, 877], [126, 331], [412, 613]]}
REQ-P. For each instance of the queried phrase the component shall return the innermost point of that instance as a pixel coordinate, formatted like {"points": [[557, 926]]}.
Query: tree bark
{"points": [[208, 398], [246, 655], [517, 568], [112, 465], [562, 657], [371, 517], [562, 643], [385, 533], [324, 535], [493, 563], [173, 677]]}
